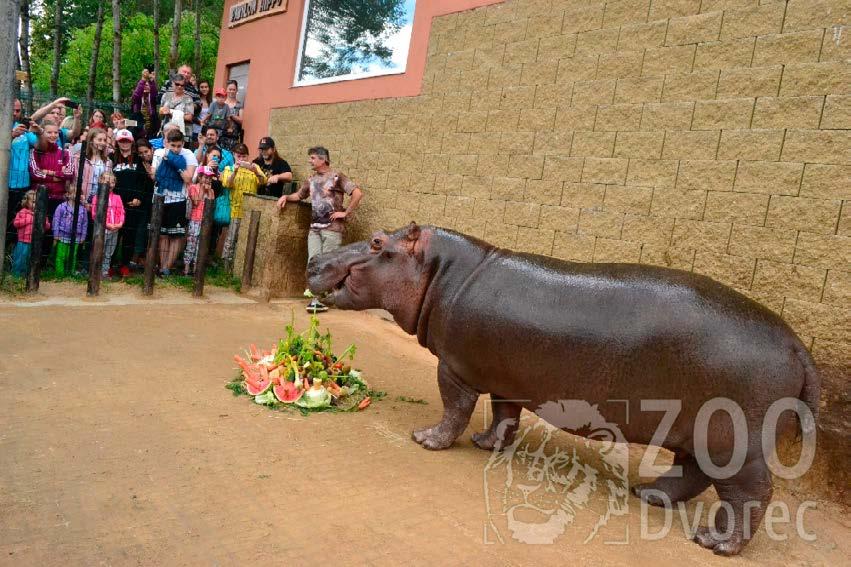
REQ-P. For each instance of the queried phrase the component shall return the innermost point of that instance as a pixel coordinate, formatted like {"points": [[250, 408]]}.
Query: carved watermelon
{"points": [[256, 385], [287, 392]]}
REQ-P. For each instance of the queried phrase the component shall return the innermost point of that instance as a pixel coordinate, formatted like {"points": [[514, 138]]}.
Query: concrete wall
{"points": [[704, 135]]}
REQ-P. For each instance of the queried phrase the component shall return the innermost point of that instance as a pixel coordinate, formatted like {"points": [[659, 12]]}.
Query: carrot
{"points": [[255, 354], [364, 403], [247, 368]]}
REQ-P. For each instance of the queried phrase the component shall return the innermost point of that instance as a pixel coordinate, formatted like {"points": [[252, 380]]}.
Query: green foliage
{"points": [[136, 51], [11, 285], [78, 14]]}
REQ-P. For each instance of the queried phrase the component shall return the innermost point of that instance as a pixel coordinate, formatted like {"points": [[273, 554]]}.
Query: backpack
{"points": [[221, 214]]}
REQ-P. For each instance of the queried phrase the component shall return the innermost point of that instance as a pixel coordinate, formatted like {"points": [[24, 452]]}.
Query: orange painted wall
{"points": [[271, 46]]}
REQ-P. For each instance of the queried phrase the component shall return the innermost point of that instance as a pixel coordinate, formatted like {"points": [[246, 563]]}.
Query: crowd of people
{"points": [[183, 141]]}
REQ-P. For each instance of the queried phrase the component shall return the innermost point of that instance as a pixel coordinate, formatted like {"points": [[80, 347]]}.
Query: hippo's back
{"points": [[606, 301]]}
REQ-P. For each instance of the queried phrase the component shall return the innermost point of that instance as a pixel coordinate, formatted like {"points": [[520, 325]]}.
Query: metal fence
{"points": [[39, 99]]}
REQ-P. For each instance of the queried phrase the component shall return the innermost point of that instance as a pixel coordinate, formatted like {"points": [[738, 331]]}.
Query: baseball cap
{"points": [[266, 143], [122, 135], [220, 92], [206, 171]]}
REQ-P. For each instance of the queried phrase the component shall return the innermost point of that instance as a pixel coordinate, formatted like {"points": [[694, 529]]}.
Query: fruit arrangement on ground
{"points": [[302, 372]]}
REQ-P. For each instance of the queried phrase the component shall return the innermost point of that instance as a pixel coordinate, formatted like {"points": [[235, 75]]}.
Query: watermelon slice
{"points": [[287, 392], [257, 386]]}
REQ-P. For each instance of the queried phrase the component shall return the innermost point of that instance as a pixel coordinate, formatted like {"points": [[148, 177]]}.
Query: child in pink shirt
{"points": [[24, 221], [114, 220], [197, 194]]}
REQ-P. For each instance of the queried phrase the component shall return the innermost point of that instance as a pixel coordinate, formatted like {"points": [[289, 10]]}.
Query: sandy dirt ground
{"points": [[119, 445]]}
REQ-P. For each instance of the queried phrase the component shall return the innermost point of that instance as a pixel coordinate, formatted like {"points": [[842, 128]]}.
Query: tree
{"points": [[197, 59], [157, 39], [137, 38], [57, 48], [116, 51], [8, 34], [24, 45], [93, 66], [175, 36]]}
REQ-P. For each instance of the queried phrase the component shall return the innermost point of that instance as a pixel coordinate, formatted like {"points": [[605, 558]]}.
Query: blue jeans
{"points": [[21, 259]]}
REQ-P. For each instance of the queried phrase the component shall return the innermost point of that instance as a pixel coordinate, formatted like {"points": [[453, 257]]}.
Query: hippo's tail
{"points": [[811, 391]]}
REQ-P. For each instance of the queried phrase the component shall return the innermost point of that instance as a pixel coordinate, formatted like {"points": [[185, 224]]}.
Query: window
{"points": [[239, 73], [351, 39]]}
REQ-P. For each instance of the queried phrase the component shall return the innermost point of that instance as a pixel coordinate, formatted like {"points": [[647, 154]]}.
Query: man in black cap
{"points": [[276, 168]]}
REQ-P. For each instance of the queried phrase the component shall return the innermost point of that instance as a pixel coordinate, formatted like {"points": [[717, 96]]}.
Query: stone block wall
{"points": [[705, 135]]}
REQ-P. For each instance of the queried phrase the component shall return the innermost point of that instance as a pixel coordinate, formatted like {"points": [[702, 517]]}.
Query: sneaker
{"points": [[316, 307], [124, 271]]}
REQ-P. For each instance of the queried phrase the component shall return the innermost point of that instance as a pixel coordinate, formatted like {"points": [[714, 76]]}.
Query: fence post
{"points": [[72, 257], [98, 237], [203, 247], [153, 244], [250, 246], [37, 240]]}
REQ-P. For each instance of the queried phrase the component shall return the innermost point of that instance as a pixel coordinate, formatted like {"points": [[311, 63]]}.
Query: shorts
{"points": [[174, 219]]}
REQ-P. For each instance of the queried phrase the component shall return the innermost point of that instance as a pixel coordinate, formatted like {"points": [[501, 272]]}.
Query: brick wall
{"points": [[706, 135]]}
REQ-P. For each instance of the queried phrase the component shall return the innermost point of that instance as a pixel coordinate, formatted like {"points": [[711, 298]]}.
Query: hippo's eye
{"points": [[375, 244]]}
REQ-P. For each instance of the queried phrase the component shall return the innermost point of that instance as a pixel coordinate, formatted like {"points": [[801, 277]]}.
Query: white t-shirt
{"points": [[175, 196]]}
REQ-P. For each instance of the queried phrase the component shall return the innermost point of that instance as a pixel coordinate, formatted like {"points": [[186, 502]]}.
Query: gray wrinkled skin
{"points": [[528, 327]]}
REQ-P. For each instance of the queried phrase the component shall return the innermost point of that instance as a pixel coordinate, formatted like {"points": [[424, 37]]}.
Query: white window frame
{"points": [[339, 78]]}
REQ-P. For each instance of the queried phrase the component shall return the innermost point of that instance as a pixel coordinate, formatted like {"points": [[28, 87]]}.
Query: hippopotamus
{"points": [[530, 329]]}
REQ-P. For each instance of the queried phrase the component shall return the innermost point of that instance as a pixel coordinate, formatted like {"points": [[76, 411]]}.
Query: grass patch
{"points": [[217, 276], [409, 400], [12, 286]]}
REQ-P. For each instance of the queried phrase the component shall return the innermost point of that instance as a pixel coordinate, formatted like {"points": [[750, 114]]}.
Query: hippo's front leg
{"points": [[459, 400]]}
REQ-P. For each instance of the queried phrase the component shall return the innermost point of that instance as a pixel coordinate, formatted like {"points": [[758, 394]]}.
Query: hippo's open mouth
{"points": [[331, 276], [328, 293]]}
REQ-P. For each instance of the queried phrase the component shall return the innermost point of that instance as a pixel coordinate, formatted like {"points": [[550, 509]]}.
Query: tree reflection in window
{"points": [[345, 39]]}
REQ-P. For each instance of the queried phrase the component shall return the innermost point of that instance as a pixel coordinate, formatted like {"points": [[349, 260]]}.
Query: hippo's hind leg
{"points": [[677, 487], [459, 400], [506, 418], [746, 494]]}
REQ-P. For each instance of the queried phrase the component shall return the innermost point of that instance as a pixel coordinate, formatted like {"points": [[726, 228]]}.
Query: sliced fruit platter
{"points": [[302, 372]]}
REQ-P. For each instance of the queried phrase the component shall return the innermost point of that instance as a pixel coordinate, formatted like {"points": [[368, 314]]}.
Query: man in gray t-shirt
{"points": [[326, 189]]}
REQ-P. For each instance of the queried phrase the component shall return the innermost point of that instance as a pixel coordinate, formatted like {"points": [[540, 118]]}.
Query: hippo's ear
{"points": [[413, 233]]}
